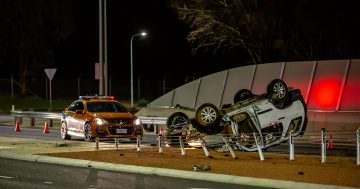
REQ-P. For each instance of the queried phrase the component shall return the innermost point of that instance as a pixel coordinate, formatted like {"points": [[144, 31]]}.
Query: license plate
{"points": [[121, 131]]}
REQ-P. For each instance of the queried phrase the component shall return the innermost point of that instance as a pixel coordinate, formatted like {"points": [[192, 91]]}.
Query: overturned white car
{"points": [[267, 118]]}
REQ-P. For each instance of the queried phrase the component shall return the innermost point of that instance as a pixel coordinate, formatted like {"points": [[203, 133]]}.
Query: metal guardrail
{"points": [[19, 115], [153, 120], [33, 114]]}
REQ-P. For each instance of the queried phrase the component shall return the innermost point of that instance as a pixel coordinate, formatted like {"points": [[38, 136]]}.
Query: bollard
{"points": [[203, 145], [97, 143], [116, 143], [181, 145], [291, 144], [261, 155], [226, 140], [323, 146], [358, 146], [138, 141], [159, 144]]}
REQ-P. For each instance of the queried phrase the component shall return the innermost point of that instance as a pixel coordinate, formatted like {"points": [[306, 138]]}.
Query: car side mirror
{"points": [[79, 111]]}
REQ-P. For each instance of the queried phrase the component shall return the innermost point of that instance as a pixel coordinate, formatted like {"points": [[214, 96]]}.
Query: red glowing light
{"points": [[326, 93]]}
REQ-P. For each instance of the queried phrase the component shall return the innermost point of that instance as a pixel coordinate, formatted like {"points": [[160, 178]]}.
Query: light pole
{"points": [[131, 66]]}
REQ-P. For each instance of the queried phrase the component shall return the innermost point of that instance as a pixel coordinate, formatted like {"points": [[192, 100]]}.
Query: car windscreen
{"points": [[105, 107]]}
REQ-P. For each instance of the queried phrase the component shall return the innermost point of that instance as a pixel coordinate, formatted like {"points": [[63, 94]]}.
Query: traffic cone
{"points": [[330, 144], [17, 126], [46, 127]]}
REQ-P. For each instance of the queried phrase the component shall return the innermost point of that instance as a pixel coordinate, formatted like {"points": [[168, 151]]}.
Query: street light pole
{"points": [[131, 66]]}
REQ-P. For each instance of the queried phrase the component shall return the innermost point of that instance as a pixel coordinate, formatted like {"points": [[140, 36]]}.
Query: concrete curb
{"points": [[169, 172]]}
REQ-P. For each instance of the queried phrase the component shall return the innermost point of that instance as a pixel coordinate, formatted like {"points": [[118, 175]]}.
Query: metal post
{"points": [[291, 144], [12, 85], [323, 146], [226, 140], [261, 155], [203, 145], [160, 145], [358, 146], [116, 143], [97, 143], [78, 80], [181, 146], [138, 141], [101, 49], [131, 66], [164, 85], [138, 82]]}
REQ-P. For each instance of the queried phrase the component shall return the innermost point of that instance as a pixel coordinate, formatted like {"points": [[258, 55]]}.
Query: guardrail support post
{"points": [[261, 155], [323, 146], [160, 144], [203, 145], [358, 146], [138, 141], [181, 145], [116, 143], [97, 143], [32, 121], [226, 140], [291, 144]]}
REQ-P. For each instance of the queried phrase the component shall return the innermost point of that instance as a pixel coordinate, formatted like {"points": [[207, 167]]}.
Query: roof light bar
{"points": [[96, 97]]}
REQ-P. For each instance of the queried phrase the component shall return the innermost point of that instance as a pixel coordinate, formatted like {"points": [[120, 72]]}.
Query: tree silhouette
{"points": [[29, 30]]}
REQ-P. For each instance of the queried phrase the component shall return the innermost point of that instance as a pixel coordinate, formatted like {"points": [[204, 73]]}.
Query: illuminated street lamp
{"points": [[143, 34]]}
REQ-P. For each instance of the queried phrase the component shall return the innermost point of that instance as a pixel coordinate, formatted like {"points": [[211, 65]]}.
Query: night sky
{"points": [[163, 52]]}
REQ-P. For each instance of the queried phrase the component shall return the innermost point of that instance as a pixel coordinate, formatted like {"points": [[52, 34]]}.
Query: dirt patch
{"points": [[336, 171]]}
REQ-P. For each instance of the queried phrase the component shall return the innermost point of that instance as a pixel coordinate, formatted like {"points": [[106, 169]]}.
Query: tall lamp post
{"points": [[131, 65]]}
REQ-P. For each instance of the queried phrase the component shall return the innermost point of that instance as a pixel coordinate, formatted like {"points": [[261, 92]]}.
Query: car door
{"points": [[75, 117]]}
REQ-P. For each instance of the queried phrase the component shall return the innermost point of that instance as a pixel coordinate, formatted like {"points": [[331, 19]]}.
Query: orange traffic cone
{"points": [[46, 127], [330, 144], [17, 126]]}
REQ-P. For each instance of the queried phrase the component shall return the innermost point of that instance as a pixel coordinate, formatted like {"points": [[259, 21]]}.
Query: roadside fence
{"points": [[250, 141]]}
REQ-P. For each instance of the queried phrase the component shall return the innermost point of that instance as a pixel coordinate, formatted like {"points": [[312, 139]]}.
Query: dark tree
{"points": [[29, 31], [258, 31]]}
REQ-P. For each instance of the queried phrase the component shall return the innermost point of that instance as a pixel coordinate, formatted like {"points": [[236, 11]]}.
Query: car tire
{"points": [[63, 131], [277, 90], [87, 132], [176, 118], [207, 116], [173, 119], [242, 94]]}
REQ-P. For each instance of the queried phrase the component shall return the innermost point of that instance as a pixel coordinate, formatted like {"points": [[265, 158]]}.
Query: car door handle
{"points": [[281, 118]]}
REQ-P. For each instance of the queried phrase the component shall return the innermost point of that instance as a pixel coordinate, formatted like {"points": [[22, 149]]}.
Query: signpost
{"points": [[50, 74]]}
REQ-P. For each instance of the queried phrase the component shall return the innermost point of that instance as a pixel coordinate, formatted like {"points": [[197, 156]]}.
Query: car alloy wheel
{"points": [[87, 132], [64, 134]]}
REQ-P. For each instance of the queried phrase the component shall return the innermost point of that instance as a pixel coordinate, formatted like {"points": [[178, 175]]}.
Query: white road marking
{"points": [[6, 177], [5, 147]]}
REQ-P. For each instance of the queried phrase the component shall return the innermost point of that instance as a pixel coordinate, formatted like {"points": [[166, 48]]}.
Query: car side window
{"points": [[76, 106], [72, 107], [79, 106]]}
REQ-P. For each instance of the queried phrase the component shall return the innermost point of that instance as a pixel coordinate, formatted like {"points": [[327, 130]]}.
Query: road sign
{"points": [[50, 72]]}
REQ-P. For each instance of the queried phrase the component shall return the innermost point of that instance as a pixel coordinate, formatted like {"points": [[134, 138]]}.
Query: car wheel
{"points": [[277, 90], [174, 124], [63, 131], [87, 132], [243, 94], [177, 118], [207, 115]]}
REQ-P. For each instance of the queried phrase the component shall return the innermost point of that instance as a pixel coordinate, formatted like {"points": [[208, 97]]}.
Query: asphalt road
{"points": [[15, 174]]}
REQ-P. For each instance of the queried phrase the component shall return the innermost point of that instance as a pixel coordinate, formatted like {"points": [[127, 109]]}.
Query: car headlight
{"points": [[100, 121], [137, 121]]}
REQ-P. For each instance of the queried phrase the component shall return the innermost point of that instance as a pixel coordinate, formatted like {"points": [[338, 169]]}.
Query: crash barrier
{"points": [[154, 122], [325, 140], [19, 115]]}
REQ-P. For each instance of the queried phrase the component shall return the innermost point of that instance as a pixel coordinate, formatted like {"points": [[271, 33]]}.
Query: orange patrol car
{"points": [[90, 117]]}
